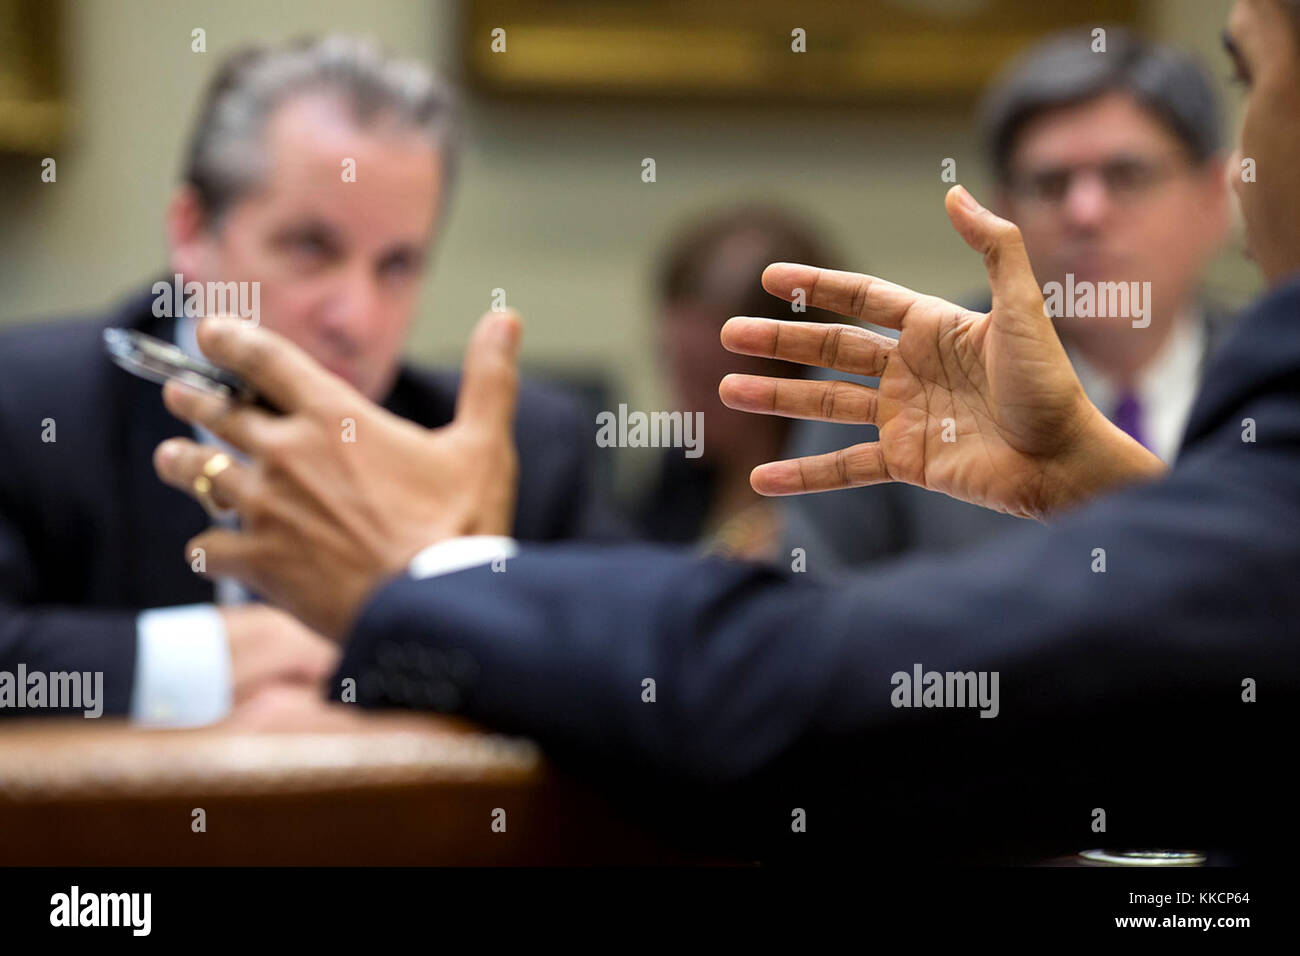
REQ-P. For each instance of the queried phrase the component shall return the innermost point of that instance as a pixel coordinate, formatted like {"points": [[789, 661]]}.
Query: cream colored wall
{"points": [[550, 204]]}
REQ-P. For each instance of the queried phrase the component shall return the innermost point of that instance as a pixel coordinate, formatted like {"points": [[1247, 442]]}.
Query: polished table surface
{"points": [[362, 789], [379, 789]]}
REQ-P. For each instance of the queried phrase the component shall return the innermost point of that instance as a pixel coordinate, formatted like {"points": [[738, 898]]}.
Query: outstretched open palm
{"points": [[984, 407]]}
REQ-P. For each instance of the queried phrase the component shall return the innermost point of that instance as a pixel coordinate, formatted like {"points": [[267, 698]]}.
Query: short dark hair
{"points": [[719, 258], [1064, 71], [225, 155]]}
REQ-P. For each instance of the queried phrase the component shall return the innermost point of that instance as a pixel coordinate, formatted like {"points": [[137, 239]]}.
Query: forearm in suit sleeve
{"points": [[562, 640], [1128, 680]]}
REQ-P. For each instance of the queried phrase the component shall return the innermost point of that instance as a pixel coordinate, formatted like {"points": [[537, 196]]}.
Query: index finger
{"points": [[852, 294], [276, 368]]}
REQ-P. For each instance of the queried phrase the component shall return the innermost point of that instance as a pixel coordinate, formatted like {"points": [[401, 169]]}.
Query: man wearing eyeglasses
{"points": [[1109, 161]]}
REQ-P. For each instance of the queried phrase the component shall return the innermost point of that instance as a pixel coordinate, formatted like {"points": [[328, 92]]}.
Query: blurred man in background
{"points": [[314, 184], [711, 272], [1110, 164]]}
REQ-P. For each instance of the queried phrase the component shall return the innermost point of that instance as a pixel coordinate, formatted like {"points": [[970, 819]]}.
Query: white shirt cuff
{"points": [[182, 667], [458, 554]]}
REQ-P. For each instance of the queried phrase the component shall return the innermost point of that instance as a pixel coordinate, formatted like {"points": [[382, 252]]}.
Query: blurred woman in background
{"points": [[711, 272]]}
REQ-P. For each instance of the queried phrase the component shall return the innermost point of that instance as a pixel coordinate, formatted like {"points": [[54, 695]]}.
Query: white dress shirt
{"points": [[182, 662], [1165, 388]]}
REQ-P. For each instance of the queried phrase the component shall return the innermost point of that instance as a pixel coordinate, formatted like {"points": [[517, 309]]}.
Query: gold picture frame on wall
{"points": [[745, 49], [33, 112]]}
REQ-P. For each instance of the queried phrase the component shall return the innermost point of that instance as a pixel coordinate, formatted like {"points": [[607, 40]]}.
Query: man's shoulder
{"points": [[57, 364], [66, 342], [60, 341], [1258, 359]]}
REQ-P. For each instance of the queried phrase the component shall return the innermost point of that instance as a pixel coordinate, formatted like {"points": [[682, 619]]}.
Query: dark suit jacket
{"points": [[853, 527], [1120, 691], [89, 535]]}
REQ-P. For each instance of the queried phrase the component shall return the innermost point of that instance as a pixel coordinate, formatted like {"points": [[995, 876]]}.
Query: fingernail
{"points": [[168, 451]]}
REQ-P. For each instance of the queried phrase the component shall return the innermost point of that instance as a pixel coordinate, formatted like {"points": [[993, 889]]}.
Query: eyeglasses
{"points": [[1126, 179]]}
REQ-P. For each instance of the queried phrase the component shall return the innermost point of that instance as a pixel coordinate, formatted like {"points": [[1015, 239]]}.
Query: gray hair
{"points": [[225, 156], [1064, 71]]}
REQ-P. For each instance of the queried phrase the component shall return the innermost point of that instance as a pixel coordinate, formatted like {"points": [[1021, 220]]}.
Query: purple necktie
{"points": [[1128, 416]]}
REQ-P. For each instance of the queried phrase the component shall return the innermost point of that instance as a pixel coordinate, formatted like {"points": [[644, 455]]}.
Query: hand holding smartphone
{"points": [[153, 359]]}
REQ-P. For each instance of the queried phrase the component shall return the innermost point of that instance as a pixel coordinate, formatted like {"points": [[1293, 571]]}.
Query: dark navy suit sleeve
{"points": [[1124, 689], [565, 635], [1117, 689]]}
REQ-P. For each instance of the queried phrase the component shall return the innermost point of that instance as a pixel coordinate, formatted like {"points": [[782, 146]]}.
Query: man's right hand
{"points": [[984, 407], [337, 494], [268, 647]]}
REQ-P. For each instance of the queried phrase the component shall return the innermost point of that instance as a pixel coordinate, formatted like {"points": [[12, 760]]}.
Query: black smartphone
{"points": [[158, 361]]}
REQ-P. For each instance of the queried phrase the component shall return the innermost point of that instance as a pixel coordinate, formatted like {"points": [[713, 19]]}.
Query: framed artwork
{"points": [[32, 109], [736, 49]]}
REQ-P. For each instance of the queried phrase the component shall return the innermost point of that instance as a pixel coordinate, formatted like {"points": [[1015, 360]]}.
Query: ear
{"points": [[189, 240]]}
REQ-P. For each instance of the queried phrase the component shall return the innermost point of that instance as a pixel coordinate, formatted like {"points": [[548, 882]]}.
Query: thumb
{"points": [[489, 382], [1011, 277]]}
